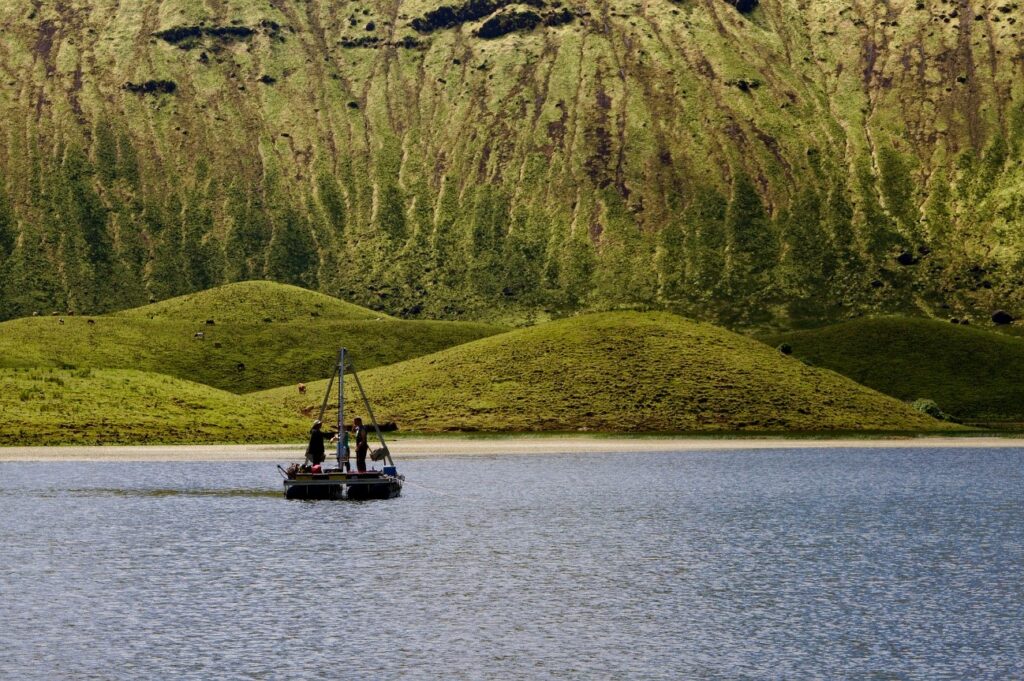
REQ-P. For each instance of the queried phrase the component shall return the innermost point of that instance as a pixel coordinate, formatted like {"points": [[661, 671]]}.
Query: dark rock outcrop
{"points": [[187, 37], [364, 41], [503, 24], [179, 34], [744, 84], [744, 6], [373, 42], [409, 43], [450, 16], [906, 259], [152, 87], [559, 17], [1002, 317], [229, 32]]}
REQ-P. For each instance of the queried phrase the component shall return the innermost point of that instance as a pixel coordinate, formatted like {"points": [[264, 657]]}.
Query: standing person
{"points": [[361, 446], [344, 451], [315, 448]]}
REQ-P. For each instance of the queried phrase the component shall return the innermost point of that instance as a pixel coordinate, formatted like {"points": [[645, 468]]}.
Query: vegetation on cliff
{"points": [[784, 163]]}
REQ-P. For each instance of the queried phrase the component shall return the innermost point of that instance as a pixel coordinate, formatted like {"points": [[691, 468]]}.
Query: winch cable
{"points": [[428, 489]]}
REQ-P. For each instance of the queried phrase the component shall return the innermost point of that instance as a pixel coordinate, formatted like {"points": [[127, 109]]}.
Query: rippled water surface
{"points": [[903, 564]]}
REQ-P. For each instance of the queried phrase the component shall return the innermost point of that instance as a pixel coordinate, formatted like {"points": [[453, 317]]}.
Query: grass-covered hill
{"points": [[255, 301], [617, 372], [263, 335], [46, 406], [747, 162], [970, 373]]}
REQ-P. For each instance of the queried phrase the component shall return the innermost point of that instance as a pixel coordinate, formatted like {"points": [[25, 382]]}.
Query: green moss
{"points": [[898, 188], [333, 204], [292, 257], [705, 217], [752, 246]]}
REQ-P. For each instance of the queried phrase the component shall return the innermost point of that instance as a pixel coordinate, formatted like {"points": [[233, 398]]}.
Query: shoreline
{"points": [[430, 447]]}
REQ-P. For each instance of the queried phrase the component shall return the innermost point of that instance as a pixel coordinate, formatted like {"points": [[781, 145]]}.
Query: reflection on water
{"points": [[115, 492], [799, 564]]}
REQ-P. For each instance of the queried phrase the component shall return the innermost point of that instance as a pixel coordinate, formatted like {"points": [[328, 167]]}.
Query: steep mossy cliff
{"points": [[765, 164]]}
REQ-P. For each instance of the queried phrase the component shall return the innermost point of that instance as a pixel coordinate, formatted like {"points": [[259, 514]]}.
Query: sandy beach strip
{"points": [[422, 447]]}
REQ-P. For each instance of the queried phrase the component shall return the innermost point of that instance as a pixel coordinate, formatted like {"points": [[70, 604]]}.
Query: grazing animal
{"points": [[199, 334], [91, 322], [302, 388], [61, 321], [210, 322]]}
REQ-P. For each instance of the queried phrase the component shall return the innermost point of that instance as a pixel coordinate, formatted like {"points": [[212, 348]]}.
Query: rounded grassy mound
{"points": [[104, 406], [971, 373], [240, 356], [619, 372], [254, 301]]}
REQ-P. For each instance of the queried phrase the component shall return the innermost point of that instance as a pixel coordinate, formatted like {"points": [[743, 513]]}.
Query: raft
{"points": [[338, 484], [301, 482]]}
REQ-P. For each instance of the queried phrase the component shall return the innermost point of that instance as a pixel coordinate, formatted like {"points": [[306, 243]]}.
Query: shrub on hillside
{"points": [[926, 406]]}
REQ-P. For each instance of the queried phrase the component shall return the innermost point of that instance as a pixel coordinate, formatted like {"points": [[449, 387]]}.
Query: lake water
{"points": [[888, 564]]}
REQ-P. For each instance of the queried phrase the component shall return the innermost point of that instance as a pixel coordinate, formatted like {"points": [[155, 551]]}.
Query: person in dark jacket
{"points": [[315, 448], [361, 445]]}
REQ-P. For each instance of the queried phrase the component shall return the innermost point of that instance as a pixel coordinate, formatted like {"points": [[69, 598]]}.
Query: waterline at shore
{"points": [[422, 447]]}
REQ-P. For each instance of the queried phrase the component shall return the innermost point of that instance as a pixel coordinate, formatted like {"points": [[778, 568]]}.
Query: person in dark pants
{"points": [[344, 451], [361, 446], [315, 448]]}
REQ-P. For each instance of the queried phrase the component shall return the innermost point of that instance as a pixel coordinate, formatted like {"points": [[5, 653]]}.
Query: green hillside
{"points": [[618, 372], [972, 374], [790, 162], [240, 356], [98, 406], [255, 301]]}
